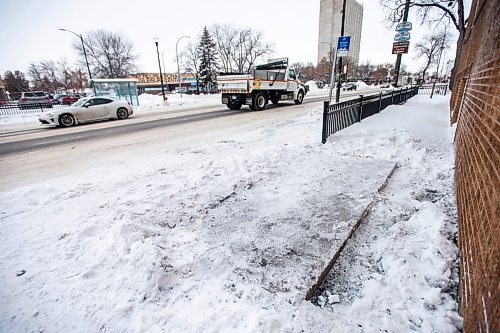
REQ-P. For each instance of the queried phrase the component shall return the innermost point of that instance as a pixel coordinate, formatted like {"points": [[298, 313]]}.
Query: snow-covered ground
{"points": [[219, 236]]}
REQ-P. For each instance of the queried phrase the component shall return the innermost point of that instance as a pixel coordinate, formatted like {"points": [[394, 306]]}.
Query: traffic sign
{"points": [[404, 26], [400, 47], [343, 44], [402, 36]]}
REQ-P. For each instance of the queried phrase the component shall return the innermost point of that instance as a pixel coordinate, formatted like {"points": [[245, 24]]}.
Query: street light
{"points": [[178, 69], [159, 65], [83, 47]]}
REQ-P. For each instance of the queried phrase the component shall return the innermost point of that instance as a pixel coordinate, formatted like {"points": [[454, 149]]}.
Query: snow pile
{"points": [[187, 239], [363, 85], [18, 119], [400, 271], [149, 102], [313, 85]]}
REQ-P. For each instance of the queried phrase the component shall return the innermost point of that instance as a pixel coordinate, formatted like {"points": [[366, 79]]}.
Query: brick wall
{"points": [[475, 105]]}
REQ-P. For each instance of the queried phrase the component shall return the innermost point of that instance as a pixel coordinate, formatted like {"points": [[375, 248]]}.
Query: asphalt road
{"points": [[22, 141]]}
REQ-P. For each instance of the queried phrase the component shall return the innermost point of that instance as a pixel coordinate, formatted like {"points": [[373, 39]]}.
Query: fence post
{"points": [[324, 136], [379, 102], [360, 107], [392, 97]]}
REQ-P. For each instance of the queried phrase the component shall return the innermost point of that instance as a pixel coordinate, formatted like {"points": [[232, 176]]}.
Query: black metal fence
{"points": [[439, 89], [10, 109], [338, 116]]}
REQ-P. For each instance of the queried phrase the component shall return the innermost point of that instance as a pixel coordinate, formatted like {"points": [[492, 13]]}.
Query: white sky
{"points": [[30, 28]]}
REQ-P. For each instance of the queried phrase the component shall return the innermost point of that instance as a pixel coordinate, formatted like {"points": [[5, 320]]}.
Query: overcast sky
{"points": [[29, 29]]}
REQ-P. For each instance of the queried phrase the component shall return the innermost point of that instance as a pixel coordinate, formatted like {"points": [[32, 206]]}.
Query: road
{"points": [[34, 138], [31, 155]]}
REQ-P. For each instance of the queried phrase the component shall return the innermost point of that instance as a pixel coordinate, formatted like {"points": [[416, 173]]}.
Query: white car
{"points": [[87, 110]]}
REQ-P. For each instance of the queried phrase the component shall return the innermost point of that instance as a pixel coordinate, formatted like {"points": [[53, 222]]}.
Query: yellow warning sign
{"points": [[256, 84]]}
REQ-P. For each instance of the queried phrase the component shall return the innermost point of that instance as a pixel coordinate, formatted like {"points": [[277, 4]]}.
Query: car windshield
{"points": [[80, 102], [29, 95], [40, 94]]}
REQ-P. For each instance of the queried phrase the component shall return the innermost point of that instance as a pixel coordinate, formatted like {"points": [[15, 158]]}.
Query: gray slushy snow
{"points": [[229, 235]]}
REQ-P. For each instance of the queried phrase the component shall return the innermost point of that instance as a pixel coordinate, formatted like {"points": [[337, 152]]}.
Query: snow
{"points": [[228, 235], [149, 102]]}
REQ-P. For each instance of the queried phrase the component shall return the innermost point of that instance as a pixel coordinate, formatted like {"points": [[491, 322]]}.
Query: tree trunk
{"points": [[457, 59]]}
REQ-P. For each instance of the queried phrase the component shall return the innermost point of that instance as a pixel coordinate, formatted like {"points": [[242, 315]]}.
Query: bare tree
{"points": [[224, 38], [43, 75], [190, 60], [432, 11], [110, 54], [429, 49], [51, 76], [239, 49]]}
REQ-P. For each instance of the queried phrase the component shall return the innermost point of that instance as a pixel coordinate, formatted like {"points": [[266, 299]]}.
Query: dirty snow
{"points": [[190, 240]]}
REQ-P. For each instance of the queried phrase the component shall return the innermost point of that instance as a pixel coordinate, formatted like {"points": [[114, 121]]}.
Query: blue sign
{"points": [[402, 36], [404, 26], [343, 46]]}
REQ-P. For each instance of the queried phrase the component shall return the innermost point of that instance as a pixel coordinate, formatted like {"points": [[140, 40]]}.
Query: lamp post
{"points": [[178, 68], [83, 47], [159, 65]]}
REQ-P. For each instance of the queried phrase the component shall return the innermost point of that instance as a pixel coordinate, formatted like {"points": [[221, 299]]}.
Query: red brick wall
{"points": [[475, 105]]}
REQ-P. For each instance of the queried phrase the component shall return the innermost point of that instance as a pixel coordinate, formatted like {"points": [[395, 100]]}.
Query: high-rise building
{"points": [[330, 22]]}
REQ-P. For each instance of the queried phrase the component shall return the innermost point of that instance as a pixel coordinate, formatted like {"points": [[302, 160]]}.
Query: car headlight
{"points": [[49, 114]]}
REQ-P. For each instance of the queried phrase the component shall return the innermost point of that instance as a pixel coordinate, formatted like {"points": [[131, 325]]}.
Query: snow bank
{"points": [[402, 268], [162, 241], [151, 103], [313, 85]]}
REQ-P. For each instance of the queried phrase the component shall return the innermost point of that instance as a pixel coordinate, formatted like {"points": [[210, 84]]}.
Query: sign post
{"points": [[402, 25]]}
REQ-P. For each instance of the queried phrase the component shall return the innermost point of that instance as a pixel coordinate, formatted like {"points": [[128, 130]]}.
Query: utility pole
{"points": [[398, 59], [337, 95]]}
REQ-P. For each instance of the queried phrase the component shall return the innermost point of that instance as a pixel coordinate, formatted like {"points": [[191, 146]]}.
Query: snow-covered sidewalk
{"points": [[229, 235]]}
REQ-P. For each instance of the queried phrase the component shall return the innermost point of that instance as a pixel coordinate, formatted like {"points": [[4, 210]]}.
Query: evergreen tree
{"points": [[15, 83], [208, 62]]}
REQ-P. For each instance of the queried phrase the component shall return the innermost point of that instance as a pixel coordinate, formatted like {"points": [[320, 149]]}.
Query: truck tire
{"points": [[259, 101], [234, 105], [300, 98]]}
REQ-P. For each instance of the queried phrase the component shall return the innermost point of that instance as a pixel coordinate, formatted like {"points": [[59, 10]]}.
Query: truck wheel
{"points": [[235, 106], [259, 102], [300, 98]]}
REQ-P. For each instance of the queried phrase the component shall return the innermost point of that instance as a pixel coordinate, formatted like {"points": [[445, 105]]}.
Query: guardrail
{"points": [[338, 116]]}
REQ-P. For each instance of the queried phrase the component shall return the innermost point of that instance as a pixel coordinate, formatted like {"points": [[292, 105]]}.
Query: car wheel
{"points": [[122, 113], [259, 102], [66, 120], [300, 98]]}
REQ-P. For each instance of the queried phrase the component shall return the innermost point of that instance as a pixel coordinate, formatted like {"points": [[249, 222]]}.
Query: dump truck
{"points": [[273, 81]]}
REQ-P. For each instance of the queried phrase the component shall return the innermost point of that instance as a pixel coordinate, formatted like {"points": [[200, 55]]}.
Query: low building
{"points": [[125, 89], [151, 83]]}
